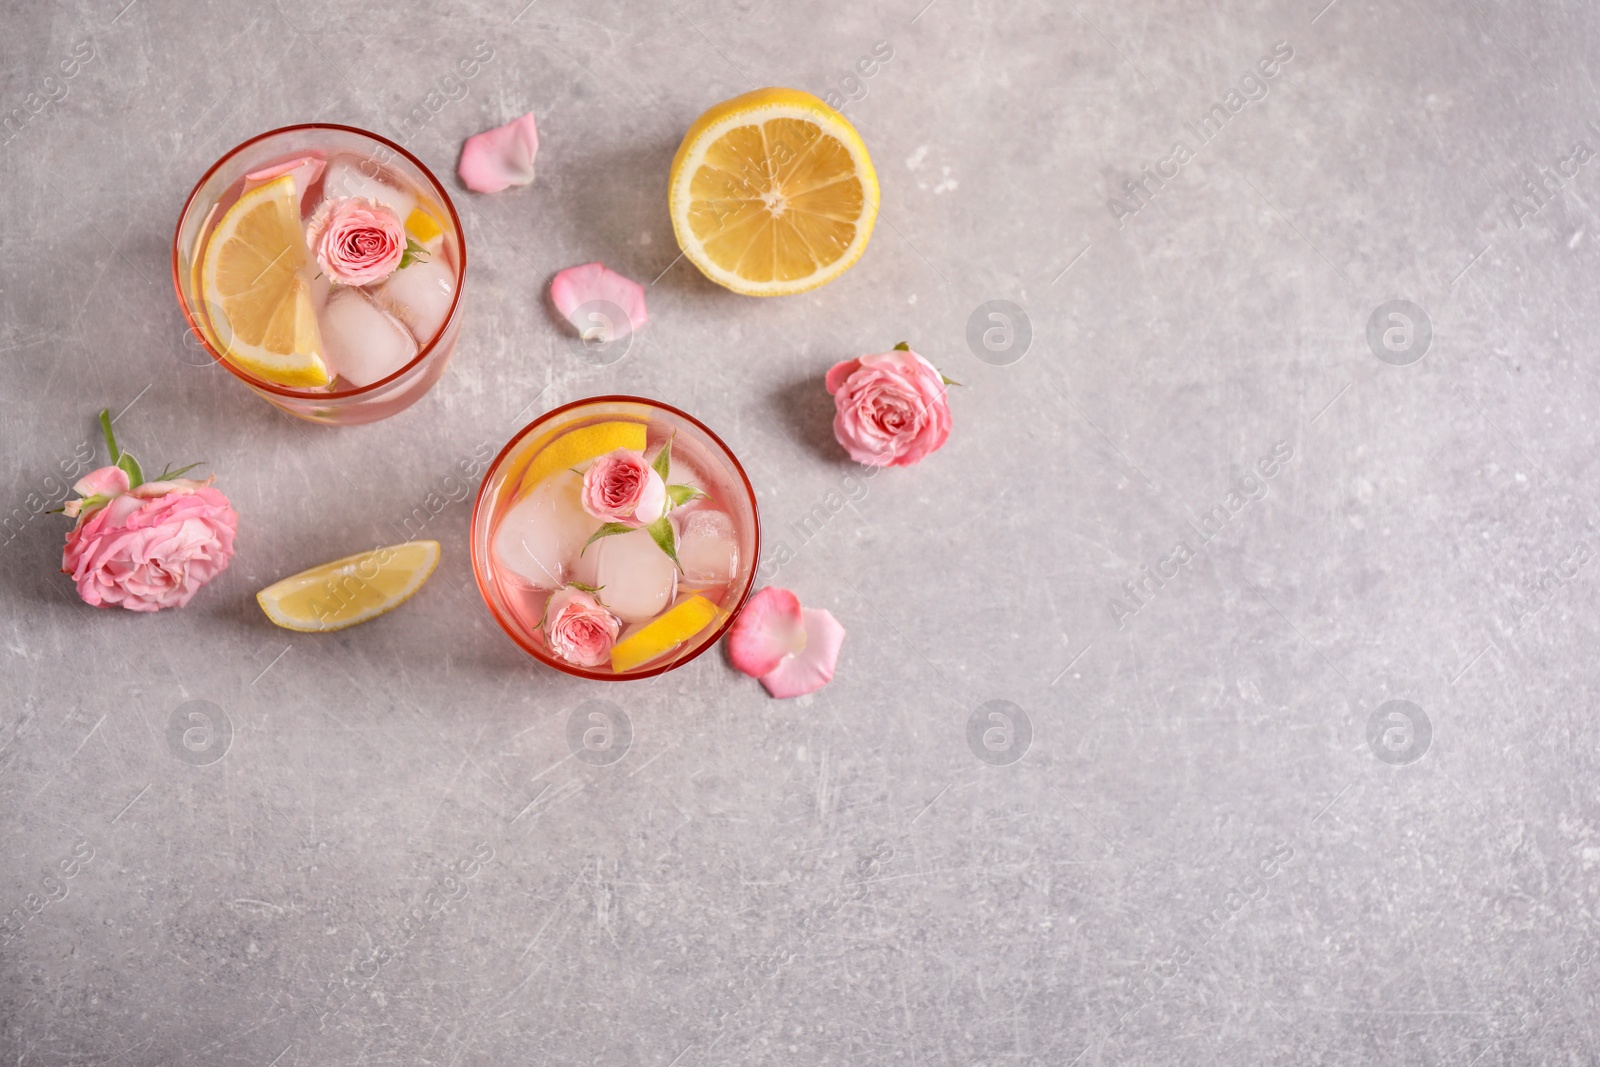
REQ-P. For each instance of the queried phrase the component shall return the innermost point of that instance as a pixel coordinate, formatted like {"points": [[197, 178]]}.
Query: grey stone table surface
{"points": [[1223, 692]]}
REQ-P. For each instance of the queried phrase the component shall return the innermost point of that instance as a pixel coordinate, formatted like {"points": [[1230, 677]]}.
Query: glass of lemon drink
{"points": [[323, 266], [615, 538]]}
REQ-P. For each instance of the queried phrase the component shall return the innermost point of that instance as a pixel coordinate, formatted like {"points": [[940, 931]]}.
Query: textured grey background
{"points": [[860, 876]]}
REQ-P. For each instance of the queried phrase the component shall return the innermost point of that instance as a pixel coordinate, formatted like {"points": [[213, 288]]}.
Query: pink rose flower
{"points": [[148, 548], [622, 487], [356, 241], [889, 409], [578, 629]]}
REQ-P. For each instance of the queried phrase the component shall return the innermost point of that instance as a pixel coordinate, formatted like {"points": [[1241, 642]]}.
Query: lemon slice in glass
{"points": [[254, 290], [773, 193], [350, 590], [663, 633], [580, 446]]}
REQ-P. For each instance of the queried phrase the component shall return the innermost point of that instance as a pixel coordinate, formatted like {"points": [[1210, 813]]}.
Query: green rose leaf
{"points": [[663, 461], [135, 476], [665, 539], [608, 530], [682, 494], [414, 253], [168, 474], [902, 347]]}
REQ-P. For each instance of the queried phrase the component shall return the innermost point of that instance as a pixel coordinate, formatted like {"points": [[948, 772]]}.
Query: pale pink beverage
{"points": [[337, 350], [534, 543]]}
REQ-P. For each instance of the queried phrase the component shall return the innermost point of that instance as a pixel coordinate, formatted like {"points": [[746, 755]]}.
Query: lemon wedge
{"points": [[254, 290], [423, 226], [773, 193], [663, 633], [350, 590], [580, 446]]}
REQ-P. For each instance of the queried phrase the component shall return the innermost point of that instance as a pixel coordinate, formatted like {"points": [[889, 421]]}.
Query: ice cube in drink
{"points": [[361, 342], [707, 547], [352, 175], [635, 578], [419, 296], [541, 536]]}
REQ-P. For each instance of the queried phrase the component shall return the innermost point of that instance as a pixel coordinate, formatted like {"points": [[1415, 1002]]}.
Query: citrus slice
{"points": [[350, 590], [254, 288], [580, 446], [772, 193], [423, 226], [663, 633]]}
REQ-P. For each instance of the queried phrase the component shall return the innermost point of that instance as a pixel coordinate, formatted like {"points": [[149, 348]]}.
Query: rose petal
{"points": [[502, 157], [770, 627], [812, 667], [105, 481], [120, 510], [180, 486], [652, 500], [839, 372], [611, 306]]}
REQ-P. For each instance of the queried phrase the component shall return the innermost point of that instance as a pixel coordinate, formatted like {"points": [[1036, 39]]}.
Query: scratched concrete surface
{"points": [[1223, 692]]}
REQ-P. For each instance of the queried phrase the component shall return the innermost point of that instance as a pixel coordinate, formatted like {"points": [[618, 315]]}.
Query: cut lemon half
{"points": [[253, 287], [580, 446], [663, 633], [350, 590], [773, 193]]}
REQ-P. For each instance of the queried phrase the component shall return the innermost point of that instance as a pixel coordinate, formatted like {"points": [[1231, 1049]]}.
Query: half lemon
{"points": [[773, 193]]}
